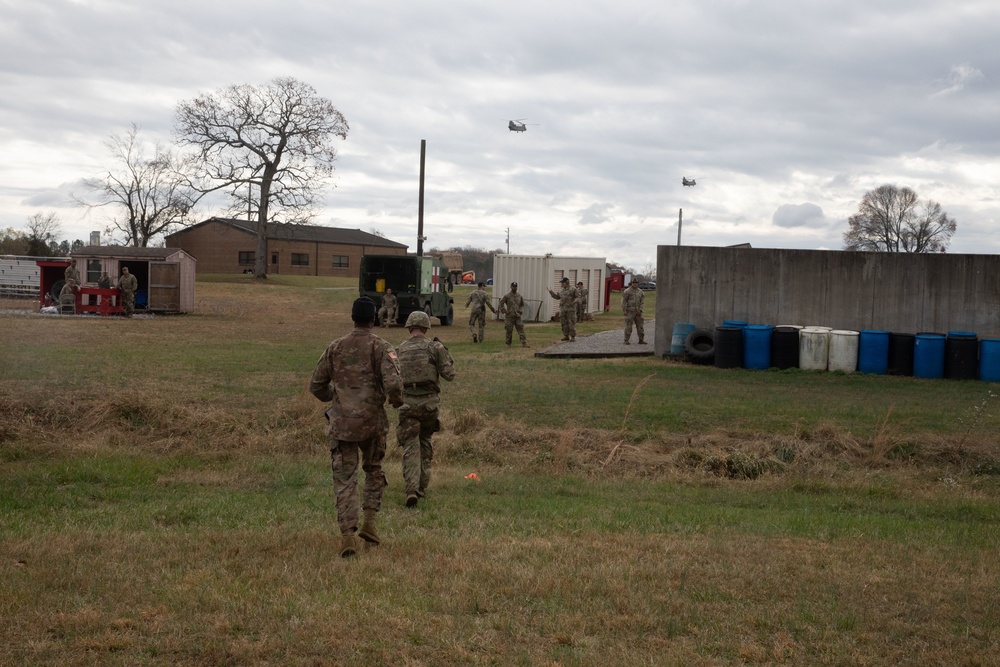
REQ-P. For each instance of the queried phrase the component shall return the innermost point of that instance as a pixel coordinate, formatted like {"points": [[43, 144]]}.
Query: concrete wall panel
{"points": [[844, 290]]}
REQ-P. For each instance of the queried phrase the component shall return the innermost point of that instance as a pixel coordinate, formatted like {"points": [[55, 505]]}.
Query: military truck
{"points": [[419, 283]]}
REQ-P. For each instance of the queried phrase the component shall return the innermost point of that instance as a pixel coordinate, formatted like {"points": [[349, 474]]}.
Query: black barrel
{"points": [[785, 347], [729, 347], [901, 353], [961, 356]]}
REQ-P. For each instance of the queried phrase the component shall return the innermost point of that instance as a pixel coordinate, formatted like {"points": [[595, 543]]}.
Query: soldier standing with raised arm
{"points": [[567, 297]]}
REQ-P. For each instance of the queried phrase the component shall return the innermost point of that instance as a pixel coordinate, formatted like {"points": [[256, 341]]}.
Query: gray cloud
{"points": [[799, 215], [765, 106]]}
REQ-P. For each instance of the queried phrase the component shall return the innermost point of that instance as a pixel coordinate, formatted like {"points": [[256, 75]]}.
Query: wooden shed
{"points": [[165, 275]]}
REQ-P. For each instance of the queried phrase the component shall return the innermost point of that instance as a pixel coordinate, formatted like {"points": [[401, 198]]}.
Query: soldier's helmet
{"points": [[564, 280], [418, 318]]}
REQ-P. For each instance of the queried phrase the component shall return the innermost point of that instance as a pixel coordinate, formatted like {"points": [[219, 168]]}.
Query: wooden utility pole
{"points": [[420, 205]]}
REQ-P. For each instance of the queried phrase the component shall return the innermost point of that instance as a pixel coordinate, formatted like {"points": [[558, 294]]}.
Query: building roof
{"points": [[124, 251], [294, 232]]}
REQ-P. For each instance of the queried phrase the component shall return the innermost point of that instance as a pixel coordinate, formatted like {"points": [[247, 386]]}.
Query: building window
{"points": [[247, 258], [341, 262], [93, 270], [300, 259]]}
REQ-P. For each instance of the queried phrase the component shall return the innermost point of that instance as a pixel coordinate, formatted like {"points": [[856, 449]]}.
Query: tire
{"points": [[449, 318], [56, 289], [699, 346]]}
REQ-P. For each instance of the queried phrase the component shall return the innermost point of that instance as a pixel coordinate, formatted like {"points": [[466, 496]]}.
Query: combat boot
{"points": [[348, 544], [367, 532]]}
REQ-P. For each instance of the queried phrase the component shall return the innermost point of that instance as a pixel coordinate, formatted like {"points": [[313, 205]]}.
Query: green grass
{"points": [[165, 499]]}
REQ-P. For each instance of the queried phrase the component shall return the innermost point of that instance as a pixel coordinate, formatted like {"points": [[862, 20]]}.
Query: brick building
{"points": [[225, 245]]}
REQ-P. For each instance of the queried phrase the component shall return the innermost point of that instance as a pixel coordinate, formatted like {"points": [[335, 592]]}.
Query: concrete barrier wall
{"points": [[844, 290]]}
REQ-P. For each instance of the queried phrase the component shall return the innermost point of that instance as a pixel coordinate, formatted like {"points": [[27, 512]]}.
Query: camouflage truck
{"points": [[419, 283]]}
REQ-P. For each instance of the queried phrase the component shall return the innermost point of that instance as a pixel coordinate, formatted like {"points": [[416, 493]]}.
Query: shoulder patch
{"points": [[392, 355]]}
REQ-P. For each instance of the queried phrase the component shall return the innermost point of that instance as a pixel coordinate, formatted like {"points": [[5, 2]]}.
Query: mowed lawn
{"points": [[165, 499]]}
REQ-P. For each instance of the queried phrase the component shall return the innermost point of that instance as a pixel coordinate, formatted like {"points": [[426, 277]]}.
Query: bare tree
{"points": [[147, 187], [270, 146], [892, 219], [42, 231]]}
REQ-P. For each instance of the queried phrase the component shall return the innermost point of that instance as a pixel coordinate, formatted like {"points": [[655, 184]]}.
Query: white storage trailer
{"points": [[536, 274]]}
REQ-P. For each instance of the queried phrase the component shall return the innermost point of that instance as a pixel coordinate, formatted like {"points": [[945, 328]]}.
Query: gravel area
{"points": [[604, 344]]}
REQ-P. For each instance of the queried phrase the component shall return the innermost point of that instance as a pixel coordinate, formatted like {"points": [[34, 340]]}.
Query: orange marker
{"points": [[472, 476]]}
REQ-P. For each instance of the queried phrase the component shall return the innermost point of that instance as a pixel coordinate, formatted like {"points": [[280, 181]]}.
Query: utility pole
{"points": [[420, 205], [508, 240], [680, 219]]}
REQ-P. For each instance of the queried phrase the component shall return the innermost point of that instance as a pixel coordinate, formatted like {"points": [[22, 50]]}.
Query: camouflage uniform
{"points": [[389, 310], [479, 301], [582, 303], [512, 305], [632, 301], [567, 310], [422, 362], [357, 372], [72, 273], [128, 284]]}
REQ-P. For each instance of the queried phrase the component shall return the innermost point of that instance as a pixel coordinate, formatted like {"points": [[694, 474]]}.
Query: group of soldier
{"points": [[127, 285], [359, 372]]}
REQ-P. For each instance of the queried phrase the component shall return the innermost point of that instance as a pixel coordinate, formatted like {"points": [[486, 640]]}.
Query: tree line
{"points": [[39, 239]]}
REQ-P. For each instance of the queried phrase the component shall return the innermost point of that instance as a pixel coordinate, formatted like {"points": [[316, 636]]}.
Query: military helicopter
{"points": [[688, 181], [518, 125]]}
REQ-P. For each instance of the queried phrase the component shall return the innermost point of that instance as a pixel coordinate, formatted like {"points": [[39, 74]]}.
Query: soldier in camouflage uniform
{"points": [[479, 301], [390, 307], [422, 362], [356, 373], [582, 303], [632, 301], [72, 273], [567, 297], [128, 284], [512, 308]]}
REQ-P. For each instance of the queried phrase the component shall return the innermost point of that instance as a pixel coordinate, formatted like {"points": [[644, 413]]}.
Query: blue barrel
{"points": [[681, 330], [901, 353], [873, 351], [928, 355], [729, 347], [961, 355], [989, 359], [757, 346], [738, 324], [785, 347]]}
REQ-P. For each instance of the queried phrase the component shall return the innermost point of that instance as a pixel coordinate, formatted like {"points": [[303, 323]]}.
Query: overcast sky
{"points": [[785, 113]]}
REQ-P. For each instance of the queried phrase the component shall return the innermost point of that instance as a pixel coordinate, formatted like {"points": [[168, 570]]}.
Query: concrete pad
{"points": [[602, 345]]}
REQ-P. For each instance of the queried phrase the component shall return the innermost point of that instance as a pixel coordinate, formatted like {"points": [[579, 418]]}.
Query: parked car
{"points": [[651, 285], [489, 281]]}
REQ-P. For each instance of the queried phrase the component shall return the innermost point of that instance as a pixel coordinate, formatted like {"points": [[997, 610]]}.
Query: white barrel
{"points": [[843, 350], [814, 348]]}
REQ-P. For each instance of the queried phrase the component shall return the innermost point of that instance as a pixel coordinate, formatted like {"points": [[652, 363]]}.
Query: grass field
{"points": [[165, 499]]}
